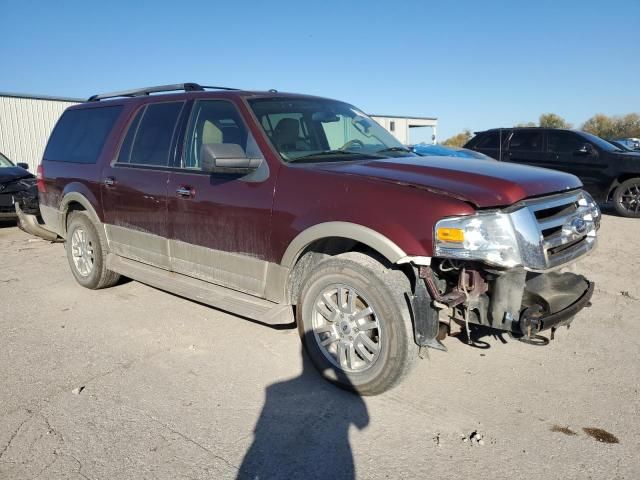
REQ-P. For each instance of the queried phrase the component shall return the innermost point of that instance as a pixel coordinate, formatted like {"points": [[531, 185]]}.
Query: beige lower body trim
{"points": [[232, 270]]}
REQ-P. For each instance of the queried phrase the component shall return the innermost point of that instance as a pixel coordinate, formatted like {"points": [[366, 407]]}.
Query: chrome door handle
{"points": [[109, 182], [185, 191]]}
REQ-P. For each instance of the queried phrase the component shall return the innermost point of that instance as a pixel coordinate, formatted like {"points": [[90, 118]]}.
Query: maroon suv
{"points": [[259, 202]]}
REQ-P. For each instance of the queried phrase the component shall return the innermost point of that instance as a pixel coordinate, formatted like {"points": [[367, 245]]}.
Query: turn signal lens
{"points": [[450, 235]]}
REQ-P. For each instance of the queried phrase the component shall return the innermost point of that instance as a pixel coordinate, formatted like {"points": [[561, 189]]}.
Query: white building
{"points": [[25, 124], [401, 127]]}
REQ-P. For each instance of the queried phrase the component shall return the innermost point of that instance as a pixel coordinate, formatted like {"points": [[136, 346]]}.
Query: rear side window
{"points": [[489, 140], [150, 135], [80, 134], [564, 142], [526, 140]]}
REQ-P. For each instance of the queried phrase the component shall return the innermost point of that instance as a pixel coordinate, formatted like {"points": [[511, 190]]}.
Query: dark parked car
{"points": [[608, 173], [17, 185], [254, 202], [442, 151]]}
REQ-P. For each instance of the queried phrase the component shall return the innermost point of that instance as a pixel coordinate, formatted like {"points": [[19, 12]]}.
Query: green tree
{"points": [[600, 125], [551, 120], [458, 140], [613, 127]]}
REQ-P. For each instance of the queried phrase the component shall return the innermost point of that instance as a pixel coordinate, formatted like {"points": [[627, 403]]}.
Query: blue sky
{"points": [[472, 64]]}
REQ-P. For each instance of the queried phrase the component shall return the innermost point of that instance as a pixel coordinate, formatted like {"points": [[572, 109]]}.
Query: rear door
{"points": [[134, 185], [526, 147], [491, 143], [219, 222]]}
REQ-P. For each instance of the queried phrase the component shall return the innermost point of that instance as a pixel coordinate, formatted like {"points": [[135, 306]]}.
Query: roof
{"points": [[30, 96]]}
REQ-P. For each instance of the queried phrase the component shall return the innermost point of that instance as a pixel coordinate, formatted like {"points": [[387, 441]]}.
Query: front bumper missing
{"points": [[554, 301], [515, 301]]}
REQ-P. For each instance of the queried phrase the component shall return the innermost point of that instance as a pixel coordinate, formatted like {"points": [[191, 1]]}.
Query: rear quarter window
{"points": [[80, 135]]}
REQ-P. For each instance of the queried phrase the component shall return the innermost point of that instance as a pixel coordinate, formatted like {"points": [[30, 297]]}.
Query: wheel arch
{"points": [[74, 201], [333, 238], [347, 230], [618, 181]]}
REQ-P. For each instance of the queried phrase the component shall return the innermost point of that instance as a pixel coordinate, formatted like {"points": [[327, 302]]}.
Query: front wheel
{"points": [[355, 323], [626, 198]]}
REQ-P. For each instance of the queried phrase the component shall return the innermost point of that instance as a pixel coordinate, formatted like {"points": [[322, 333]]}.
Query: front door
{"points": [[134, 190], [220, 223], [565, 151]]}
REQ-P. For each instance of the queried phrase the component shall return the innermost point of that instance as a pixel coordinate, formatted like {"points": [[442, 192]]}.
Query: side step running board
{"points": [[214, 295]]}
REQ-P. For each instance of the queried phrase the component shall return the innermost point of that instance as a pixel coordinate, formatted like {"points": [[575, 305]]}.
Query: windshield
{"points": [[603, 144], [4, 162], [318, 130]]}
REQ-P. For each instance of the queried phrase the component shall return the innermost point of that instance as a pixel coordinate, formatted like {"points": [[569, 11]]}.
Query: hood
{"points": [[11, 174], [480, 182]]}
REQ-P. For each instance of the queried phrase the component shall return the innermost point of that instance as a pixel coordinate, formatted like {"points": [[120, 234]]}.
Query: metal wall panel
{"points": [[25, 126]]}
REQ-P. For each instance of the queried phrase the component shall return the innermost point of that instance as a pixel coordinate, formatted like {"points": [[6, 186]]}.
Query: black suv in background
{"points": [[607, 172]]}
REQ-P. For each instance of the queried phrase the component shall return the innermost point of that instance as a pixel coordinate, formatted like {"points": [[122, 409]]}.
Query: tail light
{"points": [[40, 179]]}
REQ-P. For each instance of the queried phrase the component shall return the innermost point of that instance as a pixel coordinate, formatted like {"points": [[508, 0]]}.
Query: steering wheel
{"points": [[352, 143]]}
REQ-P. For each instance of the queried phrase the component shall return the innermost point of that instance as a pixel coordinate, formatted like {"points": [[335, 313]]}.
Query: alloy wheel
{"points": [[82, 252], [630, 198], [346, 328]]}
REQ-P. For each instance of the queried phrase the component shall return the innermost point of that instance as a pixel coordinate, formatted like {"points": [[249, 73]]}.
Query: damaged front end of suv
{"points": [[509, 269]]}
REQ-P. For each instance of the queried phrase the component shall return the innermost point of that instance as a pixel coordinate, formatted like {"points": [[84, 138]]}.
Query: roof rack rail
{"points": [[139, 92]]}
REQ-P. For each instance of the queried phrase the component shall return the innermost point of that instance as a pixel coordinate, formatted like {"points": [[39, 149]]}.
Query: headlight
{"points": [[489, 237], [587, 200]]}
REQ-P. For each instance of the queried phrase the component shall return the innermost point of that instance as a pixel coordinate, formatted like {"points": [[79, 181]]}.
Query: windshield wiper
{"points": [[394, 149], [326, 153]]}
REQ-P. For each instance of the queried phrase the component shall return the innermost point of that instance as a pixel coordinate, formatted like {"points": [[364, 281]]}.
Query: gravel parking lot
{"points": [[131, 382]]}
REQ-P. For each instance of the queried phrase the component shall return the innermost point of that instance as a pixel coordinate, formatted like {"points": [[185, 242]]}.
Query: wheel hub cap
{"points": [[630, 199], [346, 328], [82, 252]]}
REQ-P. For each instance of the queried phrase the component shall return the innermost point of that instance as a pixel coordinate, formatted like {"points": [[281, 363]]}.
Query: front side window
{"points": [[564, 142], [526, 140], [215, 122], [5, 162], [314, 130], [80, 134], [150, 135]]}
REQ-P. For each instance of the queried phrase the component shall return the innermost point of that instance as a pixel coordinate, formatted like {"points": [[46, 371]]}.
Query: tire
{"points": [[626, 198], [87, 253], [361, 283]]}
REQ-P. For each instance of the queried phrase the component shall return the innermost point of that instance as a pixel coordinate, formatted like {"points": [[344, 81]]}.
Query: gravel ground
{"points": [[131, 382]]}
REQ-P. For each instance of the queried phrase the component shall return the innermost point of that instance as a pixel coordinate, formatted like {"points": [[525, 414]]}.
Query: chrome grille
{"points": [[555, 230]]}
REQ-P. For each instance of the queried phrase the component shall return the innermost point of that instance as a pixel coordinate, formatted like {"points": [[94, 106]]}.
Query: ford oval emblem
{"points": [[578, 225]]}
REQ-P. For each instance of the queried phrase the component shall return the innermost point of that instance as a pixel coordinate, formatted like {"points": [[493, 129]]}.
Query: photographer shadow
{"points": [[303, 430]]}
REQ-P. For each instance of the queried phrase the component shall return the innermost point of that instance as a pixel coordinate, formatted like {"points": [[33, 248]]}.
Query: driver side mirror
{"points": [[23, 165], [586, 149], [226, 158]]}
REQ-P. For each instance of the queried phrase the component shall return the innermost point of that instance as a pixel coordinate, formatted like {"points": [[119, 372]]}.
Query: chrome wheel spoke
{"points": [[327, 314], [362, 314], [369, 344], [368, 326], [82, 252], [346, 328], [332, 338], [366, 355]]}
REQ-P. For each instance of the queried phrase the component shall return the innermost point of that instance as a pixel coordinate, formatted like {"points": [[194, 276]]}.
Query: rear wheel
{"points": [[87, 253], [626, 198], [354, 321]]}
